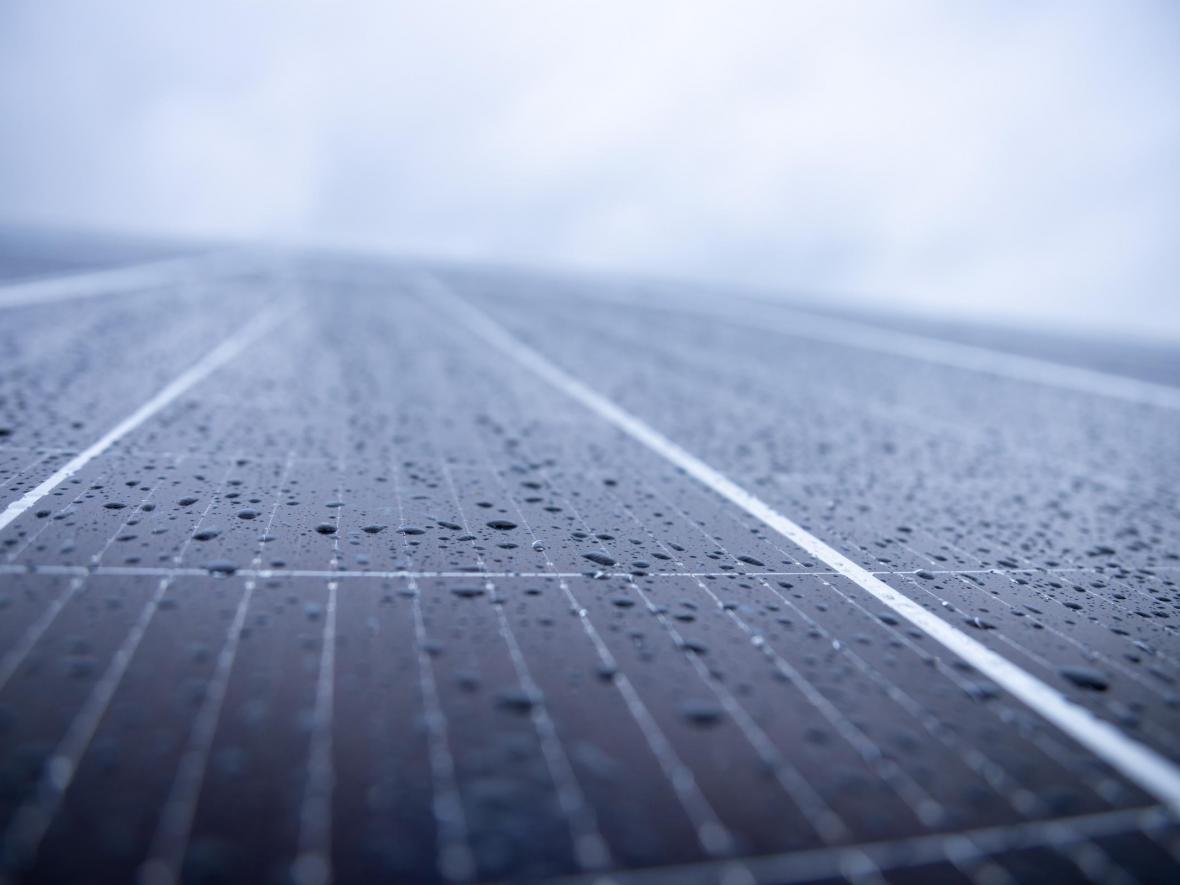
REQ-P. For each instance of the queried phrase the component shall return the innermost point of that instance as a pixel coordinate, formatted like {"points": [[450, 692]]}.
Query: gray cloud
{"points": [[1013, 160]]}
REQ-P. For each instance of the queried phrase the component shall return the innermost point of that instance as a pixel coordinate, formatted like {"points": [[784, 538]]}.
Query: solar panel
{"points": [[356, 572]]}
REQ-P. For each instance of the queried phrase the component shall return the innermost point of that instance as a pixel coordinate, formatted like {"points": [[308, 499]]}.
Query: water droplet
{"points": [[1086, 677], [517, 701], [701, 713]]}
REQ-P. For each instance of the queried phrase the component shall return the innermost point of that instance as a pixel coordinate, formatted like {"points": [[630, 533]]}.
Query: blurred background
{"points": [[1014, 161]]}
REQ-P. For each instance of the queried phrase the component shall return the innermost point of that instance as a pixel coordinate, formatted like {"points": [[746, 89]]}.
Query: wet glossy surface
{"points": [[373, 602]]}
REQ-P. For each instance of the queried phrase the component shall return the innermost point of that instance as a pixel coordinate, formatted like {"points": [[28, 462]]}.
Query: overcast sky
{"points": [[1013, 159]]}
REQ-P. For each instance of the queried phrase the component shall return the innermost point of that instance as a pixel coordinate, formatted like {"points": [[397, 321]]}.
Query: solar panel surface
{"points": [[323, 569]]}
